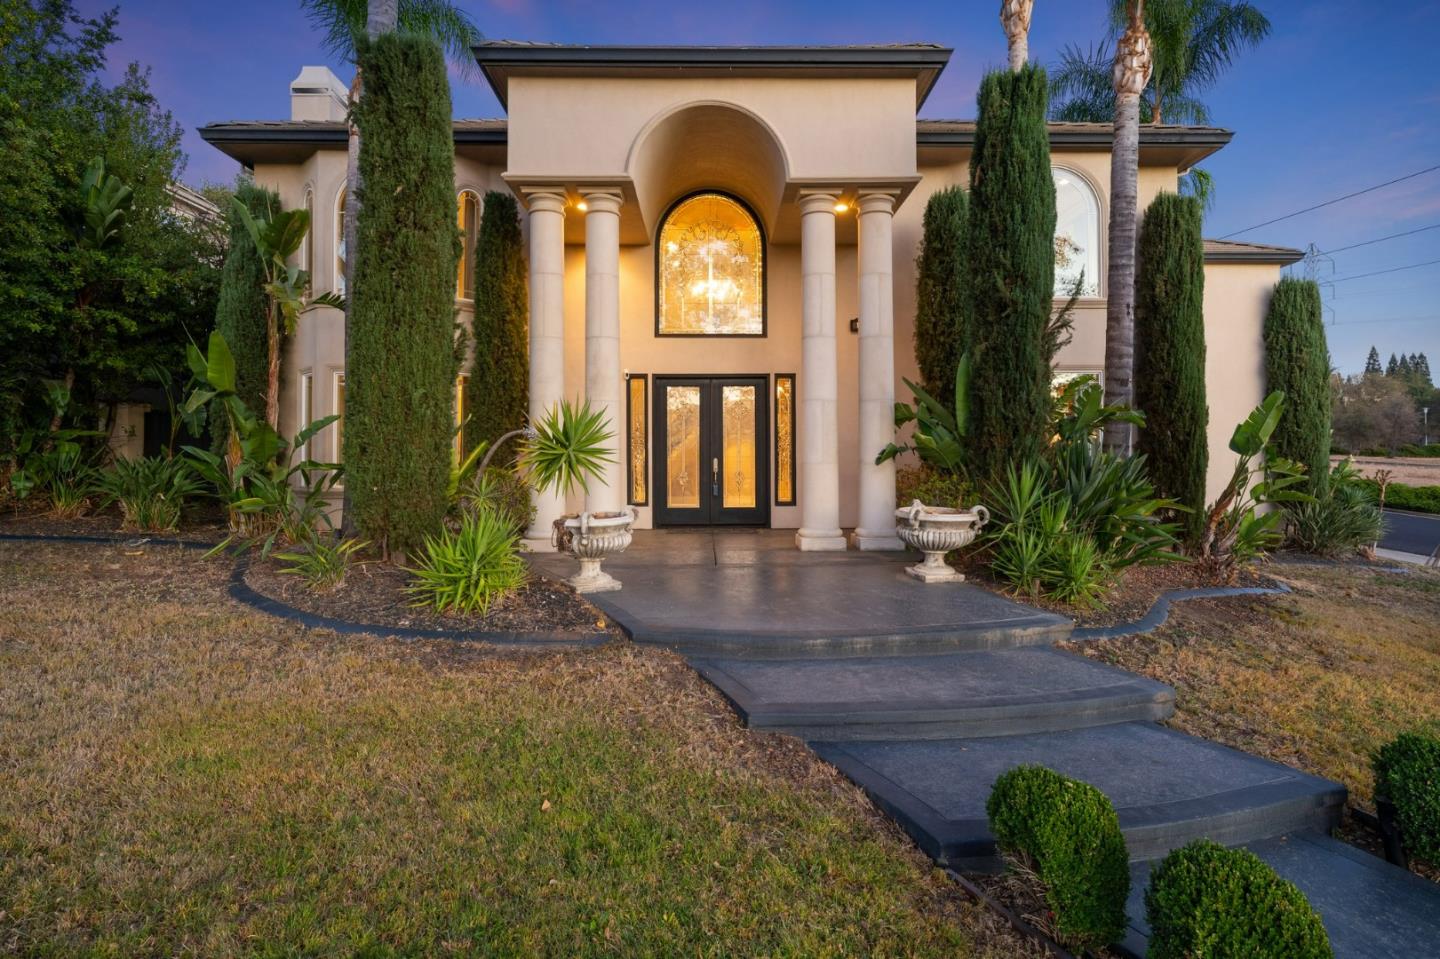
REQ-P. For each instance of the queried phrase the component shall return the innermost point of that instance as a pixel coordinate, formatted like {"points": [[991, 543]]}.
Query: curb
{"points": [[1160, 611], [243, 593]]}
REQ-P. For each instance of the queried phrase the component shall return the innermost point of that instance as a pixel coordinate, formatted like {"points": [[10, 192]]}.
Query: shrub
{"points": [[1407, 773], [58, 466], [323, 563], [242, 310], [1170, 365], [1069, 831], [1010, 264], [568, 447], [1418, 499], [470, 568], [1341, 519], [505, 492], [931, 486], [497, 392], [940, 302], [1413, 449], [151, 491], [1207, 900], [1297, 363], [399, 400]]}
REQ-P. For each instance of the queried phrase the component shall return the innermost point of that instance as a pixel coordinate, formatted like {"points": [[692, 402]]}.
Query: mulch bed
{"points": [[107, 522], [374, 593]]}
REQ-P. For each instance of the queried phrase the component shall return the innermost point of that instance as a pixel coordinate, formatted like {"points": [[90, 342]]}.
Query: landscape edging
{"points": [[242, 592], [1159, 611]]}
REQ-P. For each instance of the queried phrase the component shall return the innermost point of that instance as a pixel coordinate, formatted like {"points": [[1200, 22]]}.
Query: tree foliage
{"points": [[1010, 264], [497, 393], [150, 290], [402, 348], [1297, 362], [940, 302], [241, 311], [1170, 366]]}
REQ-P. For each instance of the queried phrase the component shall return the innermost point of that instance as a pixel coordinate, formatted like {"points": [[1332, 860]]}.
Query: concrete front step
{"points": [[1168, 788], [950, 696], [1371, 909]]}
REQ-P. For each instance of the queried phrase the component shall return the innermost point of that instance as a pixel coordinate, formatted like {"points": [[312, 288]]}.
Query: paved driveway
{"points": [[1411, 532]]}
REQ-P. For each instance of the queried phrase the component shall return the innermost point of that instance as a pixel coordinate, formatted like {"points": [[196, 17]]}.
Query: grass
{"points": [[179, 775], [1318, 679]]}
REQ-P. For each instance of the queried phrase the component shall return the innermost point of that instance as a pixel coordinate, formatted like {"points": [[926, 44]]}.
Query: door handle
{"points": [[715, 476]]}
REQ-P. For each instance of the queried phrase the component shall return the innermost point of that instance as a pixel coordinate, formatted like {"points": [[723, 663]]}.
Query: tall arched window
{"points": [[308, 258], [1077, 234], [711, 266], [467, 215], [340, 251]]}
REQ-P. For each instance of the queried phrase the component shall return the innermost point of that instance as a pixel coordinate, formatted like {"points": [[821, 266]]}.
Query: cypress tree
{"points": [[1010, 263], [1298, 362], [1393, 366], [240, 314], [1372, 362], [940, 293], [497, 393], [1170, 361], [402, 336]]}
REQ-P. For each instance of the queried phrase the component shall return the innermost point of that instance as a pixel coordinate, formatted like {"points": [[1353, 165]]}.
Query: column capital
{"points": [[817, 201], [544, 201], [877, 201], [602, 201]]}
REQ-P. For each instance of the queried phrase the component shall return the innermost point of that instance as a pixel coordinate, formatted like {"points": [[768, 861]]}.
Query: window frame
{"points": [[775, 413], [467, 257], [764, 267], [1101, 224], [307, 407], [337, 280], [337, 428], [630, 411], [307, 255]]}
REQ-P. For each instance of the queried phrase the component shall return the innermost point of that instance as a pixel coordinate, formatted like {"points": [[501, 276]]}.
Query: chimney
{"points": [[317, 94]]}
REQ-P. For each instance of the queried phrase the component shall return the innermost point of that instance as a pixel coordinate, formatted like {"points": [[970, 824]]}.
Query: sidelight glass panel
{"points": [[682, 455], [737, 428], [712, 269], [785, 439], [639, 442]]}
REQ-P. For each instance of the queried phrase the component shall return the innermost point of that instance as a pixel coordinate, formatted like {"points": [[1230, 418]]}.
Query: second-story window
{"points": [[468, 217]]}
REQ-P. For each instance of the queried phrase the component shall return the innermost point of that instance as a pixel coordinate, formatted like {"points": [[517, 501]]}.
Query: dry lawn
{"points": [[181, 776], [1410, 470], [1317, 679]]}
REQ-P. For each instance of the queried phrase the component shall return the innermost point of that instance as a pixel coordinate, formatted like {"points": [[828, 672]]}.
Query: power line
{"points": [[1378, 239], [1388, 319], [1308, 209], [1394, 269]]}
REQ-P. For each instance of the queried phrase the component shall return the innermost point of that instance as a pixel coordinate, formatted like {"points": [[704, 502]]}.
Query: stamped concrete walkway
{"points": [[923, 695]]}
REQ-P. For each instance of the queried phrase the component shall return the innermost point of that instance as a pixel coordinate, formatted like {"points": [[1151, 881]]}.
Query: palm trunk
{"points": [[381, 16], [272, 370], [1015, 18], [1132, 73]]}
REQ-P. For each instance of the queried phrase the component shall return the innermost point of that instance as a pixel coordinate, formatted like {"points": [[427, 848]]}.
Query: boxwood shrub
{"points": [[1207, 900], [1407, 773], [1070, 832]]}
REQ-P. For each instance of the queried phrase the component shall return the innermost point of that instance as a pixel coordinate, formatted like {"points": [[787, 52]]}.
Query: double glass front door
{"points": [[712, 450]]}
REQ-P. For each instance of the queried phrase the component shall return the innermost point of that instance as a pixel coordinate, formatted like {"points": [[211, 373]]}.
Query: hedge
{"points": [[1407, 773], [1207, 900], [1298, 362], [1010, 272], [497, 392], [1069, 830], [399, 391], [940, 303], [1418, 499], [1170, 360]]}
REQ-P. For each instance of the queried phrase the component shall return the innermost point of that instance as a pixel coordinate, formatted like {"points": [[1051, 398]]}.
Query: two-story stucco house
{"points": [[722, 247]]}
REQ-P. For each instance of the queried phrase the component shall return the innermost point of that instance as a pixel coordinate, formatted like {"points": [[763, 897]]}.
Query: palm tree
{"points": [[1130, 76], [1015, 18], [1194, 42]]}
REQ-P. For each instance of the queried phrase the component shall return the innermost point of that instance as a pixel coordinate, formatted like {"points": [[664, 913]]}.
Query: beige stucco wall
{"points": [[1237, 296]]}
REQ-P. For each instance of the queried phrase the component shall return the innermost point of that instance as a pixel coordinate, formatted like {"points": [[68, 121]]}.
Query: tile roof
{"points": [[1231, 251]]}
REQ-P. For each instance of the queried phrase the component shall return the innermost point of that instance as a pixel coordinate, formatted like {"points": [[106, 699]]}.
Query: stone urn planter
{"points": [[935, 531], [590, 537]]}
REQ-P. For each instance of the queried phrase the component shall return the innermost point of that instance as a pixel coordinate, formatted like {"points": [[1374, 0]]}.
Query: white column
{"points": [[876, 527], [819, 439], [603, 384], [547, 339]]}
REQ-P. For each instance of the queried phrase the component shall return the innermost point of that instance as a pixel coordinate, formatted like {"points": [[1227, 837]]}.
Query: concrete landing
{"points": [[752, 594], [956, 695], [1167, 787], [1371, 909]]}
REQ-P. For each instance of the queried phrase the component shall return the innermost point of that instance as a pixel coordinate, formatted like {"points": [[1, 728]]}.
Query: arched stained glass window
{"points": [[1077, 235], [711, 266]]}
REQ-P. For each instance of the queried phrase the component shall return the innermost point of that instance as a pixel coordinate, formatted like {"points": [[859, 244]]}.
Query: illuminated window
{"points": [[785, 439], [637, 465], [711, 263], [1077, 235], [308, 258], [340, 251], [307, 408], [338, 408], [467, 215], [460, 417]]}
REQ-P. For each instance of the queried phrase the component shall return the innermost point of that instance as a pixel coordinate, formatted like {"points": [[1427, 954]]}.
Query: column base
{"points": [[538, 544], [820, 540], [876, 540]]}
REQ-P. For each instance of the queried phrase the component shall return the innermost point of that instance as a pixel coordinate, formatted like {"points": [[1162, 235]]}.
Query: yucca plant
{"points": [[570, 445], [323, 563], [151, 491], [469, 568]]}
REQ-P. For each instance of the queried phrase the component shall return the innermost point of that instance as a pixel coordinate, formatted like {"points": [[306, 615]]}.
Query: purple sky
{"points": [[1336, 100]]}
